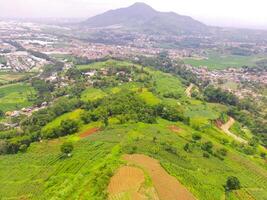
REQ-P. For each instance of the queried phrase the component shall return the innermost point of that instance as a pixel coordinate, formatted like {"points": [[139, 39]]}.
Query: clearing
{"points": [[225, 127], [167, 186]]}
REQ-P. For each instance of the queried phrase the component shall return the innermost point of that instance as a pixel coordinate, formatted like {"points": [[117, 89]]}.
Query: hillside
{"points": [[127, 120], [142, 17]]}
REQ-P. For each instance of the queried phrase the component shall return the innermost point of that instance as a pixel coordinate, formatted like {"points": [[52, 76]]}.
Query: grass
{"points": [[108, 63], [40, 173], [200, 110], [216, 61], [149, 97], [92, 94], [16, 96], [167, 83], [6, 77], [239, 131], [74, 115]]}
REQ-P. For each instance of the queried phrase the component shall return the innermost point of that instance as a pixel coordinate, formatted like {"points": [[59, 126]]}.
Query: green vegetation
{"points": [[16, 96], [108, 63], [12, 77], [66, 148], [149, 98], [92, 94], [217, 61], [70, 149]]}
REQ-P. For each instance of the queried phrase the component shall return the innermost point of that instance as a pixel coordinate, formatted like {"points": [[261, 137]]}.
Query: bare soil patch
{"points": [[127, 184], [175, 129], [89, 132], [218, 123], [167, 186]]}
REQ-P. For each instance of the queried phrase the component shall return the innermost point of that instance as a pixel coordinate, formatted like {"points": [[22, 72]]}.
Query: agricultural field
{"points": [[16, 96], [216, 61], [148, 130], [6, 77], [40, 171]]}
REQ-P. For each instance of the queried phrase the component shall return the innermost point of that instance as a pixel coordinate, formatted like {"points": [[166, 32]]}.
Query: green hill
{"points": [[142, 110], [142, 17]]}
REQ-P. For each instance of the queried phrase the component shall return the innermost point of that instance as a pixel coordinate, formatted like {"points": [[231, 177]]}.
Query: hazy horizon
{"points": [[238, 13]]}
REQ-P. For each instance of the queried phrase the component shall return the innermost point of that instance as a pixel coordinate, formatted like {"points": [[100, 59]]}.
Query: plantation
{"points": [[75, 147]]}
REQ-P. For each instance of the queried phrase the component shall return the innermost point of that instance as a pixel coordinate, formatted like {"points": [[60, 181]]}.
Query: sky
{"points": [[232, 13]]}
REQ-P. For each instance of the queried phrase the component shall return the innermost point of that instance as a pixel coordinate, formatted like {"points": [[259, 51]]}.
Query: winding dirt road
{"points": [[225, 127], [188, 90]]}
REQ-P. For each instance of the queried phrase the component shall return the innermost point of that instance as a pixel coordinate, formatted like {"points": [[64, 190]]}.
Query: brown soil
{"points": [[127, 182], [89, 132], [167, 187], [175, 129], [218, 123]]}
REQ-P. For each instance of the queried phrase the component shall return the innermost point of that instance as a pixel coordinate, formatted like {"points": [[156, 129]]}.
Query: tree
{"points": [[42, 87], [73, 73], [232, 183], [66, 148], [68, 126]]}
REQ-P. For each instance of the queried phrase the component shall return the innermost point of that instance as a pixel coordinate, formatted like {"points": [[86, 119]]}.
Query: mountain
{"points": [[142, 17]]}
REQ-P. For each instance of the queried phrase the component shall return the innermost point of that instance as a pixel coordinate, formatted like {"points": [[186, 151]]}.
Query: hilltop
{"points": [[142, 17], [132, 129]]}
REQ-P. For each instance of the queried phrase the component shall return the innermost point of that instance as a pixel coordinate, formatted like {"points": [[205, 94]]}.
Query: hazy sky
{"points": [[240, 13]]}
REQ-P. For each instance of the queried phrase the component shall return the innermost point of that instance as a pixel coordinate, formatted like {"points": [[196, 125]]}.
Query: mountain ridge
{"points": [[143, 17]]}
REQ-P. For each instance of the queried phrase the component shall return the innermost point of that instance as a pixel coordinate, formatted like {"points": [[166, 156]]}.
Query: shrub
{"points": [[222, 151], [66, 148], [249, 150], [187, 148], [51, 133], [263, 155], [207, 146], [206, 155], [169, 148], [224, 141], [23, 148], [232, 183], [196, 137]]}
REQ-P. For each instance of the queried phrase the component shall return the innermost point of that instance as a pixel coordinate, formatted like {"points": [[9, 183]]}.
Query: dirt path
{"points": [[188, 90], [225, 127], [167, 186]]}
